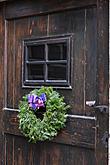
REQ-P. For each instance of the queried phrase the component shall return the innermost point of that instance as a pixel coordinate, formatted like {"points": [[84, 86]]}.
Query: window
{"points": [[47, 62]]}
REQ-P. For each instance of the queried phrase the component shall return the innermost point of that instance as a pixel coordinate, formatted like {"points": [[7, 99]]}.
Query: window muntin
{"points": [[47, 62]]}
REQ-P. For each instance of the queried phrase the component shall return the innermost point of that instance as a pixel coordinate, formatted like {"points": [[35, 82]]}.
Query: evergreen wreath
{"points": [[42, 114]]}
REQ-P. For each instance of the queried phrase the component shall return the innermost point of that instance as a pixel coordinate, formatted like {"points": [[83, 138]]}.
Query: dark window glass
{"points": [[35, 72], [57, 51], [56, 71], [36, 52]]}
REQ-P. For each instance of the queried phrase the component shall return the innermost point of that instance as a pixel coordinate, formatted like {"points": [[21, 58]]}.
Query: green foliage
{"points": [[53, 120]]}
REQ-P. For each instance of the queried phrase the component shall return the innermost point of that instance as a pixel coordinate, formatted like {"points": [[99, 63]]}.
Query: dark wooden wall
{"points": [[1, 82], [81, 142]]}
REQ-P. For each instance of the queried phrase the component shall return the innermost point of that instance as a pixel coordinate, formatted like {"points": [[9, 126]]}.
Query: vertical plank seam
{"points": [[5, 151], [84, 74], [13, 153], [48, 19], [14, 65], [5, 65]]}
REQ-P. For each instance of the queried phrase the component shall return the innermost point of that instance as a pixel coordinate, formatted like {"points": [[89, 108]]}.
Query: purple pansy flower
{"points": [[36, 102]]}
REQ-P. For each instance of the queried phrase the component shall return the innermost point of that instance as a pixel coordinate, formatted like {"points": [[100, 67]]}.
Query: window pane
{"points": [[57, 72], [57, 51], [36, 72], [36, 52]]}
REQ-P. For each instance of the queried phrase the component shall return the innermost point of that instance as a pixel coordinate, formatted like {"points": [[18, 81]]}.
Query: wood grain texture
{"points": [[1, 64], [90, 59], [27, 8], [9, 150], [81, 142], [18, 56], [103, 73], [19, 152], [15, 35], [78, 132], [69, 22], [42, 26], [10, 40], [103, 52], [1, 84]]}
